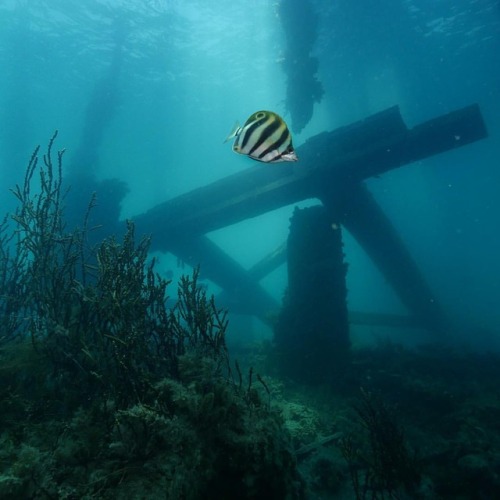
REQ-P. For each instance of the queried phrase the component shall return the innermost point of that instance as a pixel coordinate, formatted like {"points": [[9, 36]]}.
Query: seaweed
{"points": [[108, 392], [382, 466]]}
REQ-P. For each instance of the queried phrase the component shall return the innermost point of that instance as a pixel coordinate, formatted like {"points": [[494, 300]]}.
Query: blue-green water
{"points": [[166, 80], [109, 391]]}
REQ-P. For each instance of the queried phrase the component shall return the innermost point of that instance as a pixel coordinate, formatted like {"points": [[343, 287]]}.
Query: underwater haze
{"points": [[146, 91], [314, 310]]}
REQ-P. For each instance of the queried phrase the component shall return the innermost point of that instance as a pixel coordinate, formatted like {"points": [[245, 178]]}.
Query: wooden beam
{"points": [[269, 263], [383, 320], [240, 289], [239, 303], [339, 159], [356, 209], [355, 152]]}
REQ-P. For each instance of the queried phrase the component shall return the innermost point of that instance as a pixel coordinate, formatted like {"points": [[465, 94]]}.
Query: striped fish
{"points": [[264, 137]]}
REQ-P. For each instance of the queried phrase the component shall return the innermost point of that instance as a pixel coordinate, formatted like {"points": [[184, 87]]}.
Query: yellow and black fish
{"points": [[264, 137]]}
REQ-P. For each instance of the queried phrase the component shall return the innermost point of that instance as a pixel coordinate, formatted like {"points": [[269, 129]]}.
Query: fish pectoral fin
{"points": [[234, 132]]}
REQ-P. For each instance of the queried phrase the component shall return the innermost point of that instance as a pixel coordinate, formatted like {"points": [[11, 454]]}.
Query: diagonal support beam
{"points": [[239, 287], [356, 209]]}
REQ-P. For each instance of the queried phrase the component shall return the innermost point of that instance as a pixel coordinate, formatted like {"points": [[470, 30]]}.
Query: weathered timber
{"points": [[383, 320], [241, 303], [330, 164], [269, 263], [303, 88], [356, 209], [367, 148], [240, 289], [312, 331]]}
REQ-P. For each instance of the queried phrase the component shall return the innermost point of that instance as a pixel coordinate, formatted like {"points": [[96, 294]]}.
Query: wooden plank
{"points": [[451, 131], [355, 152], [356, 209], [240, 303], [330, 163], [269, 263], [241, 292], [383, 320]]}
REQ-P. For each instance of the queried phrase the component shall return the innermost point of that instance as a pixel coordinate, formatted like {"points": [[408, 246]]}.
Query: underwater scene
{"points": [[249, 249]]}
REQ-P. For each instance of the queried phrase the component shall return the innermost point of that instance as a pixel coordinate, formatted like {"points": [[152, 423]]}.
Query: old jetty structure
{"points": [[313, 323], [332, 168]]}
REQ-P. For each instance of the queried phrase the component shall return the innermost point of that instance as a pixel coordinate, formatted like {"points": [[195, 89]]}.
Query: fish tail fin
{"points": [[234, 132]]}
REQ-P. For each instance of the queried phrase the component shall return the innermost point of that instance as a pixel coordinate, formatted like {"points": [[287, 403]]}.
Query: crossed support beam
{"points": [[332, 168]]}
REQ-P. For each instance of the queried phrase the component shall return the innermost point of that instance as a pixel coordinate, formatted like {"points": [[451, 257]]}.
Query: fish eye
{"points": [[260, 114]]}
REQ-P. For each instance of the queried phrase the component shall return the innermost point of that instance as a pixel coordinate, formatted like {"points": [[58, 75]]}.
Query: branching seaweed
{"points": [[198, 322], [99, 315], [383, 467], [12, 264], [46, 252], [114, 382]]}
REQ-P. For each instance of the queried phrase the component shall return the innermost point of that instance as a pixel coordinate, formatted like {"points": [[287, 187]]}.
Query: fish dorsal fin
{"points": [[234, 132]]}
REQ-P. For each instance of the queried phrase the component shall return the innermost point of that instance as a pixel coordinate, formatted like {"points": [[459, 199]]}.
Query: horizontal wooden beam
{"points": [[383, 320], [242, 293], [367, 148], [329, 163]]}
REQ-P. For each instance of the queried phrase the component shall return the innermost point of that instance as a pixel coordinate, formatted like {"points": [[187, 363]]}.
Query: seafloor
{"points": [[401, 423]]}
